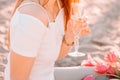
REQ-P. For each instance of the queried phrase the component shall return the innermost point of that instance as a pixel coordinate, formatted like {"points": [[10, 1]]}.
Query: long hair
{"points": [[66, 5]]}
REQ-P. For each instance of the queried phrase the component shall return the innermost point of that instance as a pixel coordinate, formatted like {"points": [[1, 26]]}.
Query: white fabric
{"points": [[31, 38], [76, 73], [26, 37]]}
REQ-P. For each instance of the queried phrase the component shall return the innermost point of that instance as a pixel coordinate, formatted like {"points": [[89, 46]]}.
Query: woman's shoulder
{"points": [[32, 9]]}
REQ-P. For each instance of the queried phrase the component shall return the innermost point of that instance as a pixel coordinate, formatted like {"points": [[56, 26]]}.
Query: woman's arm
{"points": [[65, 48], [69, 36], [20, 66], [24, 45]]}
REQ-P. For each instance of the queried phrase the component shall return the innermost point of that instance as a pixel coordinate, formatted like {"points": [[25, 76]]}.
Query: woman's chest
{"points": [[51, 44]]}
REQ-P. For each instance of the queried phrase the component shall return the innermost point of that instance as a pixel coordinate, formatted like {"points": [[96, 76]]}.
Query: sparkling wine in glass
{"points": [[76, 13]]}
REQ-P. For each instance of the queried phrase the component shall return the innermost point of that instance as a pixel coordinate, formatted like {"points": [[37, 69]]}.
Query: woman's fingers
{"points": [[84, 30], [79, 26]]}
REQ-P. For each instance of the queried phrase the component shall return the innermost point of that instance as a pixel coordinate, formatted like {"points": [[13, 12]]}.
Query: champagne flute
{"points": [[76, 13]]}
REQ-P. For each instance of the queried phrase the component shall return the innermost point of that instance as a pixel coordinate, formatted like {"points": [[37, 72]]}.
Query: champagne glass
{"points": [[76, 13]]}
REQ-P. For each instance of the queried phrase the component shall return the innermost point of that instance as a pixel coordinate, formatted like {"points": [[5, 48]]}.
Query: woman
{"points": [[40, 34]]}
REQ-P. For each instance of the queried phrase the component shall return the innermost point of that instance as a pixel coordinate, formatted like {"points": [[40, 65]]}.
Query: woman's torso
{"points": [[43, 67]]}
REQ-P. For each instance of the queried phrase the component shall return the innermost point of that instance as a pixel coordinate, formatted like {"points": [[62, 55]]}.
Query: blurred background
{"points": [[104, 22]]}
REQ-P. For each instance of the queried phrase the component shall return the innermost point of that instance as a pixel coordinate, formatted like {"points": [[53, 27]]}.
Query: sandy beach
{"points": [[104, 22]]}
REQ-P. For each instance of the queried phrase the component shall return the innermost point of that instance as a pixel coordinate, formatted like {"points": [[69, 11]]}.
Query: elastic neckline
{"points": [[40, 20], [31, 2]]}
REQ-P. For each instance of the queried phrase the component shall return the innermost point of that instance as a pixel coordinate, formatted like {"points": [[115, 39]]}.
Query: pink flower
{"points": [[111, 70], [118, 66], [111, 57], [109, 66], [89, 77], [88, 62], [101, 68]]}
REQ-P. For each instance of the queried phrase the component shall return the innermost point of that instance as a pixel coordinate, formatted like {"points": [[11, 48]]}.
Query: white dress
{"points": [[31, 38]]}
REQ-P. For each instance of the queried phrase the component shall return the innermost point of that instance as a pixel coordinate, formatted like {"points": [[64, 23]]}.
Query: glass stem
{"points": [[76, 42]]}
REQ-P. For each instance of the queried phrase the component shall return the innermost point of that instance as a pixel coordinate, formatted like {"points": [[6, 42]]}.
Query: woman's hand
{"points": [[79, 26]]}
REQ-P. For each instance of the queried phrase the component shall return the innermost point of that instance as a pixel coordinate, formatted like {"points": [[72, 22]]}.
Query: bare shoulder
{"points": [[33, 10]]}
